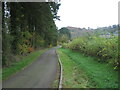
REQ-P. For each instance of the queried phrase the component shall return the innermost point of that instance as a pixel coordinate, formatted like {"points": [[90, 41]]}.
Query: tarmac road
{"points": [[40, 74]]}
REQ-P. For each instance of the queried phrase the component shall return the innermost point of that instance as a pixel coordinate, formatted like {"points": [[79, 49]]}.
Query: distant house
{"points": [[108, 35]]}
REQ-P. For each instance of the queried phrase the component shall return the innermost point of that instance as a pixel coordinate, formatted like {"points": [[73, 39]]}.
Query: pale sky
{"points": [[88, 13]]}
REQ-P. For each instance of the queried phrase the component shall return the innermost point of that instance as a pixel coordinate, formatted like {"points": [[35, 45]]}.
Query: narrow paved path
{"points": [[39, 74]]}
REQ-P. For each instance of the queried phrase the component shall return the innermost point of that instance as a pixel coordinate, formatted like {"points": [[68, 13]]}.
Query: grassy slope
{"points": [[87, 71], [15, 67]]}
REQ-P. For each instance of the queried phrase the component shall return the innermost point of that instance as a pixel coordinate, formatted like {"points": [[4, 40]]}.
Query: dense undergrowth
{"points": [[106, 49]]}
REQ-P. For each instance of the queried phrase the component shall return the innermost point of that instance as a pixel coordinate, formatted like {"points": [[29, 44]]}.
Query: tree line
{"points": [[27, 26]]}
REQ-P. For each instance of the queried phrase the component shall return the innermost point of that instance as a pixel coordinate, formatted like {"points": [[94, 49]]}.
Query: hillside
{"points": [[107, 30], [76, 32]]}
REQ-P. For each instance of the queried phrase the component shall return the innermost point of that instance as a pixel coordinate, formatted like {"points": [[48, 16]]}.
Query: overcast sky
{"points": [[88, 13]]}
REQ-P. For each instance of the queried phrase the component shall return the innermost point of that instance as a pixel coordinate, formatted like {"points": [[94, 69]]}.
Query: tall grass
{"points": [[106, 49]]}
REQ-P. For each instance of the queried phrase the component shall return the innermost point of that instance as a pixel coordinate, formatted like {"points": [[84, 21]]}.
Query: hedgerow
{"points": [[106, 49]]}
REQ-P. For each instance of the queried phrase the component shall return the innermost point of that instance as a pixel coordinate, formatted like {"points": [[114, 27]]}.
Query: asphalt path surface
{"points": [[40, 74]]}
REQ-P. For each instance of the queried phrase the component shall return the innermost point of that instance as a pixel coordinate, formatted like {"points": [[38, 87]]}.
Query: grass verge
{"points": [[17, 66], [80, 71]]}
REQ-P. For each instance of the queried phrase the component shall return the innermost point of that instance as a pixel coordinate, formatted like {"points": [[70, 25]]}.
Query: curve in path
{"points": [[40, 74]]}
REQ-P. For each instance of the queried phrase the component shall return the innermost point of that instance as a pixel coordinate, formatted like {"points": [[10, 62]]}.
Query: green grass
{"points": [[73, 76], [87, 71], [17, 66]]}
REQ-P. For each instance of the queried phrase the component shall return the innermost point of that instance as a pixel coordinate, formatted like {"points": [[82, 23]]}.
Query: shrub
{"points": [[106, 49], [30, 49]]}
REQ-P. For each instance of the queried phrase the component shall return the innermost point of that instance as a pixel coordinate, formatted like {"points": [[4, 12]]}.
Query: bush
{"points": [[106, 49], [23, 49], [30, 49]]}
